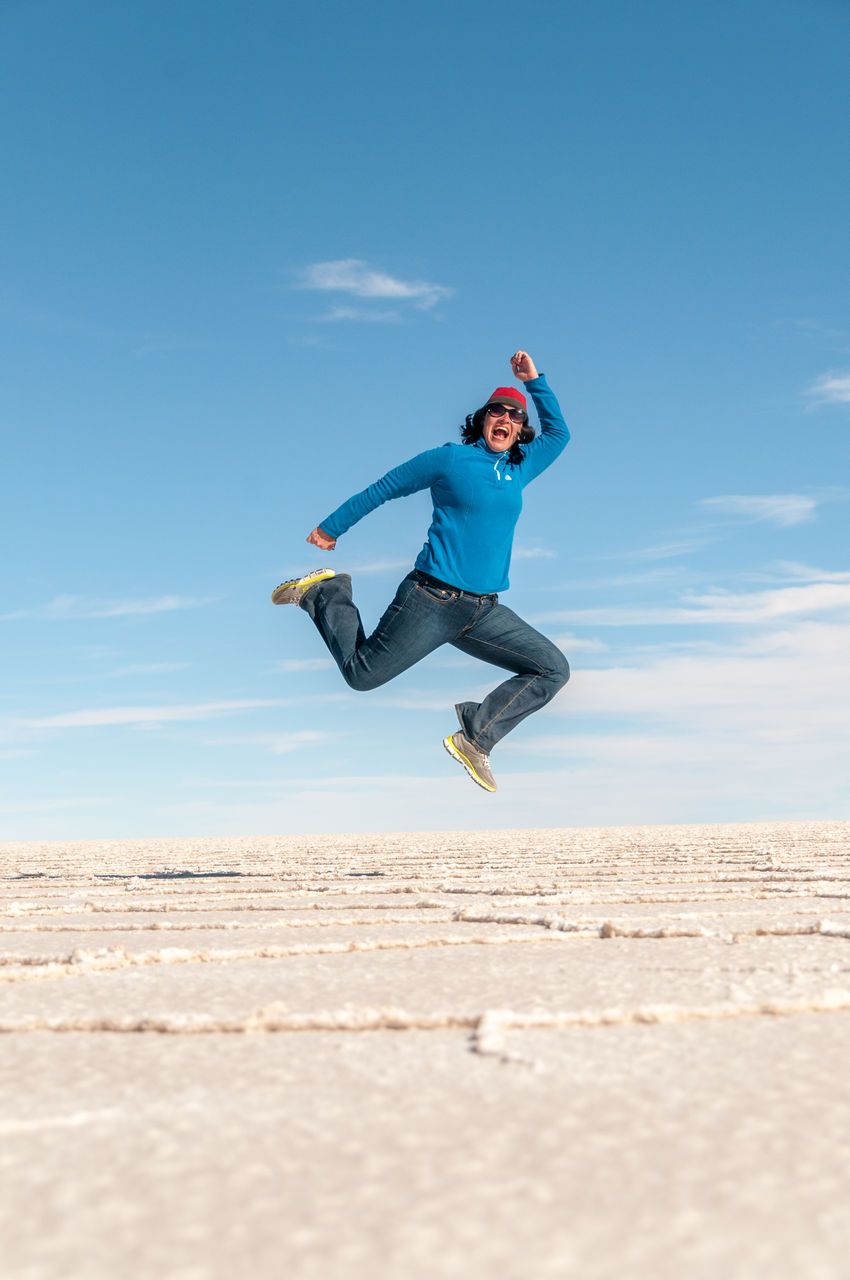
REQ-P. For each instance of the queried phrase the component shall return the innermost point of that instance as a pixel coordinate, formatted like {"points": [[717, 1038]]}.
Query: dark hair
{"points": [[473, 429]]}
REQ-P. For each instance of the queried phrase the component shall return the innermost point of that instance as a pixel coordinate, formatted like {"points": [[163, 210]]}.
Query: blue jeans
{"points": [[424, 616]]}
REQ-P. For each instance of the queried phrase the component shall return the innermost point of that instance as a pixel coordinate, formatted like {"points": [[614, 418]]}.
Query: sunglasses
{"points": [[497, 410]]}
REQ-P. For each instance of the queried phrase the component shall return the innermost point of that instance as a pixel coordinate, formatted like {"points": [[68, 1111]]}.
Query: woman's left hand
{"points": [[523, 366]]}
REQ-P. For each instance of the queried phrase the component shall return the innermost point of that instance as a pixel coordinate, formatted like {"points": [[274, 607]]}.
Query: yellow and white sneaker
{"points": [[293, 590], [475, 762]]}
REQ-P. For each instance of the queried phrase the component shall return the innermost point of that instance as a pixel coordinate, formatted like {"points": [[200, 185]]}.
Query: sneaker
{"points": [[294, 589], [475, 762]]}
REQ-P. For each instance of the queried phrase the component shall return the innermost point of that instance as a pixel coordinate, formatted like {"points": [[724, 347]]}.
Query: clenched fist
{"points": [[523, 366], [320, 539]]}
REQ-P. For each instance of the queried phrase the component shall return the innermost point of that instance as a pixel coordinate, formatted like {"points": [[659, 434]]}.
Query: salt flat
{"points": [[596, 1053]]}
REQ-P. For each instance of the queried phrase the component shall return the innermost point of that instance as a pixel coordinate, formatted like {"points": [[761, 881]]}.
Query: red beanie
{"points": [[509, 396]]}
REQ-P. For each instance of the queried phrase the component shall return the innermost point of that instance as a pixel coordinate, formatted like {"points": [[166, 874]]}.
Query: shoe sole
{"points": [[308, 581], [467, 764]]}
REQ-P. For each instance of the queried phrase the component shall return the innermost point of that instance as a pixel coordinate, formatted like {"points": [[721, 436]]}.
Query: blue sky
{"points": [[256, 255]]}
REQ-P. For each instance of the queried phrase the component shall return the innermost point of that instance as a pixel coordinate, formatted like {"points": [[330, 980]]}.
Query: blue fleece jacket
{"points": [[477, 497]]}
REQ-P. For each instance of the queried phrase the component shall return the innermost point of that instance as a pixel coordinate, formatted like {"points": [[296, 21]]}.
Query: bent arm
{"points": [[554, 432], [418, 473]]}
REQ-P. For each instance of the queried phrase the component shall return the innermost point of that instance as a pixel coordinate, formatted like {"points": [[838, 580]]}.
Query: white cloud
{"points": [[352, 275], [830, 388], [144, 715], [756, 729], [721, 607], [793, 684], [780, 508], [763, 606], [63, 608]]}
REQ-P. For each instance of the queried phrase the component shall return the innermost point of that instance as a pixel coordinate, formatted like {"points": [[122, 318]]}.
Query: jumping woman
{"points": [[451, 595]]}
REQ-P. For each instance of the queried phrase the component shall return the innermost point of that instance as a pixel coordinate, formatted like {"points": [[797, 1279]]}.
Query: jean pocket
{"points": [[436, 593]]}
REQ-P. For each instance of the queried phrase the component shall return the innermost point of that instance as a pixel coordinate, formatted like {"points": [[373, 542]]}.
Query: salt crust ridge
{"points": [[647, 1025], [306, 884]]}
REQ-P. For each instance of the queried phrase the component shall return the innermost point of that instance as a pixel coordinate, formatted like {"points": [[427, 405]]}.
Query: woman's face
{"points": [[501, 430]]}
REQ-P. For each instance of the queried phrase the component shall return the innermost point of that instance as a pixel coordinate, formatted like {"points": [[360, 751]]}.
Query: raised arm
{"points": [[554, 433]]}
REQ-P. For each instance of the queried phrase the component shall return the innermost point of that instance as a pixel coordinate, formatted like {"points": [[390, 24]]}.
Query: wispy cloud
{"points": [[660, 551], [763, 606], [415, 701], [779, 508], [830, 388], [356, 277], [533, 553], [359, 316], [324, 782], [666, 575], [816, 330], [132, 670], [810, 573], [382, 566], [277, 743], [65, 608], [287, 742], [167, 344], [44, 804], [721, 607], [574, 644], [145, 669], [98, 716], [303, 664]]}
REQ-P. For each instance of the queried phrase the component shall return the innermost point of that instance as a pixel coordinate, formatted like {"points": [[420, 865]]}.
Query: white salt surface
{"points": [[596, 1053]]}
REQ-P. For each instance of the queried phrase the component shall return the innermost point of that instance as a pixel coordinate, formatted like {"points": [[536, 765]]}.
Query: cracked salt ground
{"points": [[551, 1052]]}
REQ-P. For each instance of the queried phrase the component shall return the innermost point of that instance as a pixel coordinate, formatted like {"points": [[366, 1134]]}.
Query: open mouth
{"points": [[499, 433]]}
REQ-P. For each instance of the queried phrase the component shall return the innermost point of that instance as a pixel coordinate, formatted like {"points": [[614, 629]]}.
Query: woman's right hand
{"points": [[320, 539]]}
